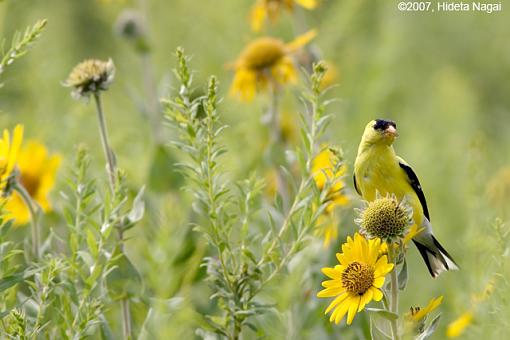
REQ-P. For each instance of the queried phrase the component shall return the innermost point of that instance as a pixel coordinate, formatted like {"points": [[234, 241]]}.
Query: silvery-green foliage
{"points": [[251, 247], [20, 44]]}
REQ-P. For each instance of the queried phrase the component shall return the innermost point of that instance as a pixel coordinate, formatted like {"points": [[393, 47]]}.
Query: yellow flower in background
{"points": [[270, 10], [498, 188], [417, 313], [457, 327], [37, 172], [289, 128], [9, 149], [326, 167], [266, 61], [331, 76], [271, 179], [357, 280], [485, 293], [327, 227]]}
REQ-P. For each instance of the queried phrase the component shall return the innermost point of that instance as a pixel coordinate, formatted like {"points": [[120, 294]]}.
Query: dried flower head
{"points": [[129, 24], [90, 76], [385, 218], [266, 61]]}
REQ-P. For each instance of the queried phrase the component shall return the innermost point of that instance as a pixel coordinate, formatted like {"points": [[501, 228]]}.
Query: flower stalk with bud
{"points": [[87, 79]]}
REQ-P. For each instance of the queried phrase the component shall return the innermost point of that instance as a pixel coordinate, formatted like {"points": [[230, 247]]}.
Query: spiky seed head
{"points": [[90, 76], [385, 218]]}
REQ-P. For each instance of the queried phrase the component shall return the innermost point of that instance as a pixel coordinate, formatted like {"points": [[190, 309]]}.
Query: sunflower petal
{"points": [[336, 301], [378, 295]]}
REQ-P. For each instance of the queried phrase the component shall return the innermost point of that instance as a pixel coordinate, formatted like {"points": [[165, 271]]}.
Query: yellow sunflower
{"points": [[325, 168], [9, 149], [266, 61], [357, 280], [37, 172], [417, 313], [270, 10]]}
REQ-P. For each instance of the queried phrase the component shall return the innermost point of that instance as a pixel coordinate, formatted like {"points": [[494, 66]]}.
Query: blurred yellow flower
{"points": [[9, 149], [498, 188], [417, 313], [37, 172], [327, 227], [266, 61], [289, 128], [357, 280], [331, 76], [326, 167], [457, 327], [270, 10], [486, 293]]}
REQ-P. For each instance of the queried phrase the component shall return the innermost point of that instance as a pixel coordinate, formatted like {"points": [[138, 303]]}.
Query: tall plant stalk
{"points": [[112, 170], [394, 292]]}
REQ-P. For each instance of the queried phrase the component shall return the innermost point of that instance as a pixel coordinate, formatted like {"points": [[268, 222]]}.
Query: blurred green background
{"points": [[443, 77]]}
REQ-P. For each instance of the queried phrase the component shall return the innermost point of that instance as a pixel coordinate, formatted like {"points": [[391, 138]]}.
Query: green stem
{"points": [[103, 132], [394, 292], [34, 215], [126, 318], [111, 170], [276, 146]]}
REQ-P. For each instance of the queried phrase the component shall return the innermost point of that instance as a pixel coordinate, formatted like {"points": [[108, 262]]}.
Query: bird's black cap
{"points": [[383, 124]]}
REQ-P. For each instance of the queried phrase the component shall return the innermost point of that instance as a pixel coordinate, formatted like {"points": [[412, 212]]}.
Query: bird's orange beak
{"points": [[391, 131]]}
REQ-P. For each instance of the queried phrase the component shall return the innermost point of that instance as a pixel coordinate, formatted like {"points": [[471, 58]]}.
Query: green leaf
{"points": [[124, 280], [10, 280], [383, 313], [402, 276], [92, 244], [430, 329], [377, 333], [106, 332], [163, 174], [138, 209]]}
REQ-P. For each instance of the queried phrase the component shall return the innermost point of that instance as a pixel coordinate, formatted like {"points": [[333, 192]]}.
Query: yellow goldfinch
{"points": [[379, 169]]}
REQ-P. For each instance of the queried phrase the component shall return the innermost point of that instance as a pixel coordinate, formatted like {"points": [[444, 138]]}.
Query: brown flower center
{"points": [[357, 278], [30, 183], [263, 53]]}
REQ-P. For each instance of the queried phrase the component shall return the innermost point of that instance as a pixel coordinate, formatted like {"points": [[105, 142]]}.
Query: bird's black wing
{"points": [[356, 184], [415, 184]]}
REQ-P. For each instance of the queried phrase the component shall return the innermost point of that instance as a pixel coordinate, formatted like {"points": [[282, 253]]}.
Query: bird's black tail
{"points": [[436, 257]]}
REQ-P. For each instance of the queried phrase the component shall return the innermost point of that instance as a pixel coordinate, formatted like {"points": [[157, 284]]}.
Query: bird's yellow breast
{"points": [[377, 171]]}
